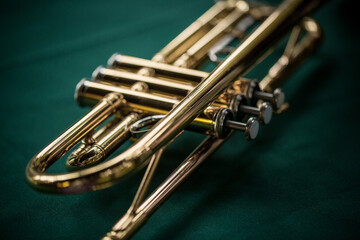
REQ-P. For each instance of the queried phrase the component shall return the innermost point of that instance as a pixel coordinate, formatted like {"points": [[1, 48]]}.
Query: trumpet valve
{"points": [[264, 113], [277, 98], [224, 123], [250, 128]]}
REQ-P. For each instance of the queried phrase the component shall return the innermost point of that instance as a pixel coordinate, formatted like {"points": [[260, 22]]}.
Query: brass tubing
{"points": [[88, 93], [191, 34], [275, 26], [288, 63], [88, 141], [122, 61], [242, 59], [87, 90], [197, 51], [104, 144], [119, 133], [129, 79], [126, 226], [237, 63], [57, 148]]}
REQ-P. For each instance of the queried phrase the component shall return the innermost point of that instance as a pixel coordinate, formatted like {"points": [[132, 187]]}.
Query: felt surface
{"points": [[298, 180]]}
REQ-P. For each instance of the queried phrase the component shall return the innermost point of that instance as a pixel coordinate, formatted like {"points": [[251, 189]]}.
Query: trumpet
{"points": [[152, 102]]}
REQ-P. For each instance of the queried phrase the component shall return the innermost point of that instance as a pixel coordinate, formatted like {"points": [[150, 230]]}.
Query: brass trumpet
{"points": [[154, 101]]}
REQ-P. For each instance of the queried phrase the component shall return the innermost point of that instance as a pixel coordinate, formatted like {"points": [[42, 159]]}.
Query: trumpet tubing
{"points": [[155, 100]]}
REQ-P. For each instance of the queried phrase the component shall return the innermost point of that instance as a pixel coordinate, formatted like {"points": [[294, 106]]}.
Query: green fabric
{"points": [[298, 180]]}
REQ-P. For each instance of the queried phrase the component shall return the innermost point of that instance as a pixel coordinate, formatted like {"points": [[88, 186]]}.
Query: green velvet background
{"points": [[298, 180]]}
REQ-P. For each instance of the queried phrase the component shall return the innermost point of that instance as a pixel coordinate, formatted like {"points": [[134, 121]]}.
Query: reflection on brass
{"points": [[167, 95]]}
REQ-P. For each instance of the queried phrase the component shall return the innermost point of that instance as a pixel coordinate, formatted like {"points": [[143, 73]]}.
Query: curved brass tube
{"points": [[106, 174]]}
